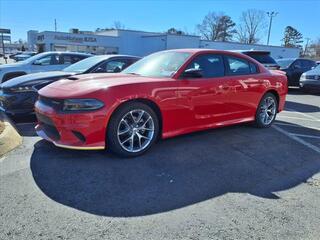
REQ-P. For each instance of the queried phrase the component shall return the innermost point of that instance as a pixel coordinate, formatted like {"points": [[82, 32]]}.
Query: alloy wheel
{"points": [[135, 130]]}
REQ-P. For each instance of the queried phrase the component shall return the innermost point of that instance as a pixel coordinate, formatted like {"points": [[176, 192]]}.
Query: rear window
{"points": [[262, 58]]}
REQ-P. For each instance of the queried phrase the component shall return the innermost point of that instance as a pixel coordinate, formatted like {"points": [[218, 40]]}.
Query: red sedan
{"points": [[163, 95]]}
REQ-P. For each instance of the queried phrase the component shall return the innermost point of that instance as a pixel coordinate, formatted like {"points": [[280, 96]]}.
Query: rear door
{"points": [[246, 86]]}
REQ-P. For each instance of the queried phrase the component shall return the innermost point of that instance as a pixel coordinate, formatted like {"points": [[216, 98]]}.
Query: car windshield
{"points": [[84, 65], [262, 58], [284, 63], [162, 64]]}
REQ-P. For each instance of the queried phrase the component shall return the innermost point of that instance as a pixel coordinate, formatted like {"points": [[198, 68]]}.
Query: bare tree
{"points": [[216, 26], [118, 25], [252, 24]]}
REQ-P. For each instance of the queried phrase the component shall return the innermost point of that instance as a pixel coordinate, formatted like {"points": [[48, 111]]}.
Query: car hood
{"points": [[81, 85], [313, 72], [30, 79], [12, 65]]}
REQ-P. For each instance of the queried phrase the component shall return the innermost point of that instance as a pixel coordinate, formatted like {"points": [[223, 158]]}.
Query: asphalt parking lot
{"points": [[237, 182]]}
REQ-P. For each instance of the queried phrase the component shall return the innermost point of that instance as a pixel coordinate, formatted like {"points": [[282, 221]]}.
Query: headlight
{"points": [[21, 89], [82, 104]]}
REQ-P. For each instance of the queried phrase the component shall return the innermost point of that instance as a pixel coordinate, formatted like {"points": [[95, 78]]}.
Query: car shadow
{"points": [[298, 91], [175, 173], [302, 107]]}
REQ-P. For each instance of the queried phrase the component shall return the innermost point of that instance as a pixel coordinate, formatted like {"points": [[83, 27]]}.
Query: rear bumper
{"points": [[81, 131]]}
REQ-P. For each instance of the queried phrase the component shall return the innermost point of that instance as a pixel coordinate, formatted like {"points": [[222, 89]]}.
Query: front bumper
{"points": [[310, 84], [18, 103], [82, 131]]}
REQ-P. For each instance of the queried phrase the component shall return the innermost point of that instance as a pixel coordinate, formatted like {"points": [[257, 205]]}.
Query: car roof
{"points": [[74, 53], [108, 56], [251, 51]]}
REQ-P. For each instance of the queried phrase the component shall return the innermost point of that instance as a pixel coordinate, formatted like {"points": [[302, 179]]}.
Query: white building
{"points": [[137, 43]]}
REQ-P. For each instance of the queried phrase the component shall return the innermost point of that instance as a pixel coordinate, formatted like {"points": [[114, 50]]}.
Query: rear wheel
{"points": [[132, 129], [267, 111]]}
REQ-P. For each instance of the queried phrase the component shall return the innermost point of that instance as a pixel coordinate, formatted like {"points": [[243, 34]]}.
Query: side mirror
{"points": [[192, 73], [99, 70], [37, 62]]}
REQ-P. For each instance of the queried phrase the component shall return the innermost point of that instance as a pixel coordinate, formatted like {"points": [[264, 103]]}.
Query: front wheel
{"points": [[132, 129], [267, 111]]}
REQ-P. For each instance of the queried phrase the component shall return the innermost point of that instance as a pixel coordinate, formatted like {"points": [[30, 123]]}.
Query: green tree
{"points": [[175, 31], [292, 37]]}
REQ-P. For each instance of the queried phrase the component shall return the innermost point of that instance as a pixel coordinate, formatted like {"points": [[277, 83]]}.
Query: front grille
{"points": [[56, 104], [48, 126]]}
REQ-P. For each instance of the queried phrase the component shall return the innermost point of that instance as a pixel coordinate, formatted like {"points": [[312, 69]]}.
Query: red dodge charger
{"points": [[165, 94]]}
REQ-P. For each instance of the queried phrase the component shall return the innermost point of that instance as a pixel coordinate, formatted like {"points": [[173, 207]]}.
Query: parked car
{"points": [[310, 80], [294, 67], [42, 62], [18, 95], [263, 57], [23, 56], [163, 95], [11, 56]]}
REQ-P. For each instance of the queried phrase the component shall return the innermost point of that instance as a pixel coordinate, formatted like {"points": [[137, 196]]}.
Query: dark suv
{"points": [[294, 67], [263, 57]]}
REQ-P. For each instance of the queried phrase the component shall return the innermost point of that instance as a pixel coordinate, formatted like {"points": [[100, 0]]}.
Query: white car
{"points": [[42, 62]]}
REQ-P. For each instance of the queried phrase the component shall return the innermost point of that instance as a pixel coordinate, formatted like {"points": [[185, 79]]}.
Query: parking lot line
{"points": [[298, 118], [304, 135], [297, 139], [296, 126], [303, 114]]}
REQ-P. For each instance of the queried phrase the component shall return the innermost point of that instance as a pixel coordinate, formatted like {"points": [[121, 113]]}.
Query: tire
{"points": [[132, 129], [267, 111], [9, 76]]}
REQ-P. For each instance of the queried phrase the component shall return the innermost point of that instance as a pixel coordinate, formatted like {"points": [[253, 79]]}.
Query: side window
{"points": [[297, 64], [238, 66], [253, 68], [47, 60], [65, 59], [308, 64], [113, 66], [76, 58], [210, 65]]}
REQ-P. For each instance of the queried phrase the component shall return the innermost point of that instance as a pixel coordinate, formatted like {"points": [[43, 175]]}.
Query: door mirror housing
{"points": [[37, 62], [99, 70], [192, 73]]}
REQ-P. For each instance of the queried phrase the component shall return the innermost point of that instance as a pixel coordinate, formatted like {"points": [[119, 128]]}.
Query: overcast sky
{"points": [[21, 16]]}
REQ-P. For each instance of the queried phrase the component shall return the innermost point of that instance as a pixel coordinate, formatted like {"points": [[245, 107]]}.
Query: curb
{"points": [[9, 138]]}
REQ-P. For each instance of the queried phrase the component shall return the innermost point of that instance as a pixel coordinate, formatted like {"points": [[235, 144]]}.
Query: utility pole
{"points": [[3, 49], [55, 25], [306, 47], [271, 15]]}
